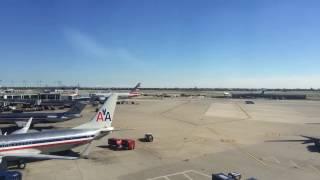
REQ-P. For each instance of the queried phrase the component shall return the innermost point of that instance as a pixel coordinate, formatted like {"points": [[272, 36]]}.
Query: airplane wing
{"points": [[287, 140], [114, 130], [309, 139], [32, 154], [36, 156]]}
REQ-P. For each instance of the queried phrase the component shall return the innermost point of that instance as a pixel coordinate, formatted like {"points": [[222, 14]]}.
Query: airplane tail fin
{"points": [[103, 118], [76, 108], [135, 90]]}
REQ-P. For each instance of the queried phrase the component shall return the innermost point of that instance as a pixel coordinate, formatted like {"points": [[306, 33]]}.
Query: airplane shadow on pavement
{"points": [[313, 148]]}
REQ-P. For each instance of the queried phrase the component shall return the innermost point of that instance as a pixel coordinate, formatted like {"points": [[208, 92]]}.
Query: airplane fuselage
{"points": [[37, 117], [121, 95], [48, 141]]}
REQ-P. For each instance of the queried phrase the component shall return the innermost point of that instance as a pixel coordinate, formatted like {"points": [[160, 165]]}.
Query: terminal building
{"points": [[37, 96], [31, 96]]}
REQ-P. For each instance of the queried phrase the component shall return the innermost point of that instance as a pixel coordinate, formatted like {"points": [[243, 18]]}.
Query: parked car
{"points": [[10, 175], [121, 144]]}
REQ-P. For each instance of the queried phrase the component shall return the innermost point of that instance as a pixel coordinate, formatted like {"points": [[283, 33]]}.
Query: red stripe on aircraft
{"points": [[45, 145]]}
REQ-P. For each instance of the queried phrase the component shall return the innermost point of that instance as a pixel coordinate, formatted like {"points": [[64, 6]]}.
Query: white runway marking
{"points": [[184, 173], [187, 176], [294, 164], [275, 159], [200, 173], [315, 169]]}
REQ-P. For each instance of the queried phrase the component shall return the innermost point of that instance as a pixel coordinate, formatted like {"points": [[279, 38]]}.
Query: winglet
{"points": [[25, 128]]}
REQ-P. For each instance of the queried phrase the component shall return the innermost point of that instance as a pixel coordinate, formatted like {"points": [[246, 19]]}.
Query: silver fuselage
{"points": [[122, 95], [11, 118], [48, 141]]}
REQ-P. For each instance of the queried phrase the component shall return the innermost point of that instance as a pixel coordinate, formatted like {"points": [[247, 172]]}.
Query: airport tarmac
{"points": [[195, 138]]}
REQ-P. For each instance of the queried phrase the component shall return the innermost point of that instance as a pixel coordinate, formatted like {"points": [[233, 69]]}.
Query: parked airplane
{"points": [[122, 95], [21, 118], [20, 148], [308, 140]]}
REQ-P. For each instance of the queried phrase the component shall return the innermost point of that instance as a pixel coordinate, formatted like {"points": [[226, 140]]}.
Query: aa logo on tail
{"points": [[103, 116]]}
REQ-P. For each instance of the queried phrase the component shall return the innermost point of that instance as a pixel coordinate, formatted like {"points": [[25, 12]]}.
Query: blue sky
{"points": [[162, 43]]}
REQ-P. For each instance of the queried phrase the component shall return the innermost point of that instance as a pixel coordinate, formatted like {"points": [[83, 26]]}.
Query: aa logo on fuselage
{"points": [[103, 115]]}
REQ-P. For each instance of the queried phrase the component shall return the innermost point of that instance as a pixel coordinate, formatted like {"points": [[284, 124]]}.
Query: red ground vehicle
{"points": [[121, 144]]}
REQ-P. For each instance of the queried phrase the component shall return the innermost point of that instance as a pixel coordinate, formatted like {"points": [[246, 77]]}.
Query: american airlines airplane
{"points": [[22, 147], [122, 95], [21, 118]]}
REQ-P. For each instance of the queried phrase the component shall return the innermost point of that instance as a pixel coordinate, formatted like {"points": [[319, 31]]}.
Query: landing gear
{"points": [[3, 164], [22, 165]]}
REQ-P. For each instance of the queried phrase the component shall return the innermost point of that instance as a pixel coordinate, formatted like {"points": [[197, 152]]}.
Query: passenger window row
{"points": [[43, 141]]}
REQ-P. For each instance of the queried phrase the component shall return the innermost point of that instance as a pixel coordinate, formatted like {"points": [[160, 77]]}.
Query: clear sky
{"points": [[162, 43]]}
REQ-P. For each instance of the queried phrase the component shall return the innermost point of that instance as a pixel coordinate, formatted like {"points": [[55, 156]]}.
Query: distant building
{"points": [[267, 96], [31, 96]]}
